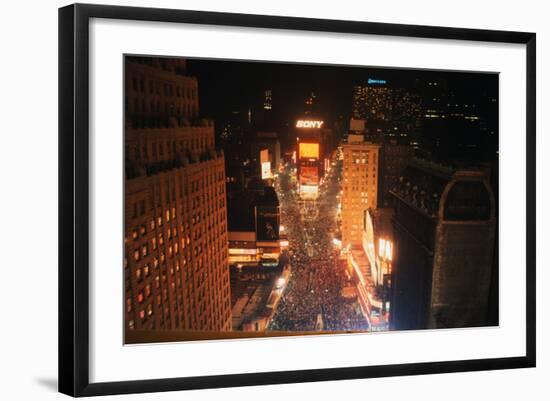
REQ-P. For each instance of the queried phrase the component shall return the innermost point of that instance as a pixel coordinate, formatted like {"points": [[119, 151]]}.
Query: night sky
{"points": [[229, 85]]}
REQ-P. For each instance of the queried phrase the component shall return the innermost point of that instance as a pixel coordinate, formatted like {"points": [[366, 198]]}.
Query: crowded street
{"points": [[313, 299]]}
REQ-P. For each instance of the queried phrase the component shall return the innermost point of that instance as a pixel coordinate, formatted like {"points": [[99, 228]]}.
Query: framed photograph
{"points": [[250, 199]]}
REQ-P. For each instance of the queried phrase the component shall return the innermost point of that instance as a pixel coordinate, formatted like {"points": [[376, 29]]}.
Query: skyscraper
{"points": [[394, 157], [372, 102], [175, 262], [444, 237], [360, 185]]}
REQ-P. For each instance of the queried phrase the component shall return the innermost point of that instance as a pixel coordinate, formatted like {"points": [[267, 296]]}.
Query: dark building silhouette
{"points": [[444, 238], [394, 157], [254, 224]]}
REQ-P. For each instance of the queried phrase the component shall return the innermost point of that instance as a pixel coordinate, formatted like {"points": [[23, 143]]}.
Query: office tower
{"points": [[175, 259], [372, 102], [360, 185], [394, 158], [444, 237]]}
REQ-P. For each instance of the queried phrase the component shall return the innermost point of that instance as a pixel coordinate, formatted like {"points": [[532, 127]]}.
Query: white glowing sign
{"points": [[309, 124], [266, 170], [309, 189]]}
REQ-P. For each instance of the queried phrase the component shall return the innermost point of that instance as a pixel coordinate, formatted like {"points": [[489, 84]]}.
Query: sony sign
{"points": [[309, 124]]}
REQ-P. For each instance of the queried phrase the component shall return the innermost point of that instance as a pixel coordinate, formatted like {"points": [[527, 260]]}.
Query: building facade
{"points": [[176, 246], [444, 238], [370, 266], [254, 227], [394, 158], [360, 186]]}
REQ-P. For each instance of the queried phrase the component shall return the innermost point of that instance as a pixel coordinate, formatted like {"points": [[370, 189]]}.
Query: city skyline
{"points": [[280, 198]]}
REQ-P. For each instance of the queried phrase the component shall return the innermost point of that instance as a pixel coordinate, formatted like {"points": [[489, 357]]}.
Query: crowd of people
{"points": [[313, 298]]}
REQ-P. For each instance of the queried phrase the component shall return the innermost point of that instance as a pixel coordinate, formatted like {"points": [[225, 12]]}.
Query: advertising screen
{"points": [[266, 170], [309, 190], [264, 156], [309, 175], [309, 150]]}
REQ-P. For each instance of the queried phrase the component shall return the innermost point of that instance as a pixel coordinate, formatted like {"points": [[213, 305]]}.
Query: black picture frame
{"points": [[74, 194]]}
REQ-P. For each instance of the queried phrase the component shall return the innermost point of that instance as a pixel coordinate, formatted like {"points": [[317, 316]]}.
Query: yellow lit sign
{"points": [[309, 151], [309, 124], [242, 251], [264, 155]]}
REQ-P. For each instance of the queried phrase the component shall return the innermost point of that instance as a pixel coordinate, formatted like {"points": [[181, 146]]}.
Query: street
{"points": [[313, 298]]}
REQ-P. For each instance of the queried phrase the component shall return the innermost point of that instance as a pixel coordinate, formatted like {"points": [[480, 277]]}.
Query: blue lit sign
{"points": [[376, 81]]}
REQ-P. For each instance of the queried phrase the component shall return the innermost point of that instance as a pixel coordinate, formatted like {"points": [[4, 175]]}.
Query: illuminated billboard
{"points": [[309, 175], [308, 150], [309, 124], [309, 191], [266, 170], [264, 155]]}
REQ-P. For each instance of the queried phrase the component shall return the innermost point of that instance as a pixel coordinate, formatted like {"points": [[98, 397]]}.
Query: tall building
{"points": [[372, 101], [176, 246], [360, 185], [394, 158], [380, 109], [266, 153], [444, 238]]}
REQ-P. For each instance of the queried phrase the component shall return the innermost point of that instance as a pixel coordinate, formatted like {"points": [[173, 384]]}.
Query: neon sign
{"points": [[376, 81], [309, 124]]}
